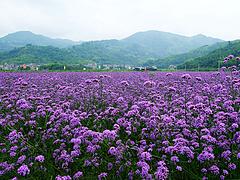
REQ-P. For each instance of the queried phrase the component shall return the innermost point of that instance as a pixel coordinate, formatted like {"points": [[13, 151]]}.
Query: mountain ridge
{"points": [[178, 59], [22, 38], [135, 49], [213, 58]]}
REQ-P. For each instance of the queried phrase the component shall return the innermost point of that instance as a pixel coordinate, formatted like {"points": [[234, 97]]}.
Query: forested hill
{"points": [[135, 49], [39, 55], [22, 38], [163, 44], [212, 59], [182, 58]]}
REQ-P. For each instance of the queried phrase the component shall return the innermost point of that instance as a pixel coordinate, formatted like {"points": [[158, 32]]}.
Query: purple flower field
{"points": [[134, 125]]}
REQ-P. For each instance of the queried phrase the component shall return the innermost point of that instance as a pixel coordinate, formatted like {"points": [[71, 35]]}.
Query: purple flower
{"points": [[225, 172], [208, 138], [231, 56], [63, 177], [77, 175], [162, 171], [238, 155], [172, 89], [23, 170], [40, 158], [232, 166], [204, 170], [179, 168], [124, 83], [21, 159], [226, 154], [102, 175], [146, 156], [110, 166], [76, 141], [99, 121], [113, 151], [222, 177], [12, 154], [149, 84], [22, 104], [186, 76], [214, 169], [198, 78], [174, 159]]}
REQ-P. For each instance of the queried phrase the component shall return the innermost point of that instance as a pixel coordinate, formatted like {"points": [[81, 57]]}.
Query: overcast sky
{"points": [[106, 19]]}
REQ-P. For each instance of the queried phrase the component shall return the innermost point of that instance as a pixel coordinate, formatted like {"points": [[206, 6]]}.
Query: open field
{"points": [[113, 125]]}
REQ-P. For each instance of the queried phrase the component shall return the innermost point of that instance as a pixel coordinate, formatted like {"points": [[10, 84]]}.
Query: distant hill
{"points": [[181, 58], [102, 54], [22, 38], [212, 59], [37, 54], [140, 47], [110, 52], [134, 50], [162, 44]]}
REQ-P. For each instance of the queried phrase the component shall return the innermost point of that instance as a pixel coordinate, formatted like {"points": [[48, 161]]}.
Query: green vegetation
{"points": [[151, 48], [134, 50], [164, 44], [181, 58], [38, 54], [22, 38], [214, 58]]}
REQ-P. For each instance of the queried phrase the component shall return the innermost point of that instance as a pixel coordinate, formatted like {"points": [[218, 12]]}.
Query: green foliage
{"points": [[22, 38], [135, 50], [164, 44], [54, 66], [181, 58], [61, 67], [38, 55], [214, 58], [109, 52]]}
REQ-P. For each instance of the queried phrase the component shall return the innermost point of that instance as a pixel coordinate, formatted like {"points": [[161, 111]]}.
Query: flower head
{"points": [[23, 170]]}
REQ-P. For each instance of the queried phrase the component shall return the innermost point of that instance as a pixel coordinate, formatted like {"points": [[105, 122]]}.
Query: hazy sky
{"points": [[106, 19]]}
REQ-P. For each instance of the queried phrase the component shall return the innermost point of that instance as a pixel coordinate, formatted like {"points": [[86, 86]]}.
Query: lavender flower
{"points": [[77, 175], [102, 175], [23, 170], [40, 158]]}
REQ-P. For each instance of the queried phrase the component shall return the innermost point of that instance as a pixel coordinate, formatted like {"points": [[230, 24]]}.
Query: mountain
{"points": [[103, 52], [133, 50], [22, 38], [38, 55], [162, 44], [140, 47], [181, 58], [212, 59], [110, 52]]}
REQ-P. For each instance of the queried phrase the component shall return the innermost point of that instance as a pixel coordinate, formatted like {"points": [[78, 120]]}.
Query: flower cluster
{"points": [[120, 125]]}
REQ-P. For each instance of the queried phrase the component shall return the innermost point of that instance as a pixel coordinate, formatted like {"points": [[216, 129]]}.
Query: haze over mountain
{"points": [[22, 38], [163, 44], [188, 56], [135, 49], [214, 58]]}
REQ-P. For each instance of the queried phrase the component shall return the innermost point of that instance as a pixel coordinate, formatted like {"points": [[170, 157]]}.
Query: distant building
{"points": [[91, 65], [23, 66], [139, 69], [153, 68], [8, 67], [172, 67], [33, 67]]}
